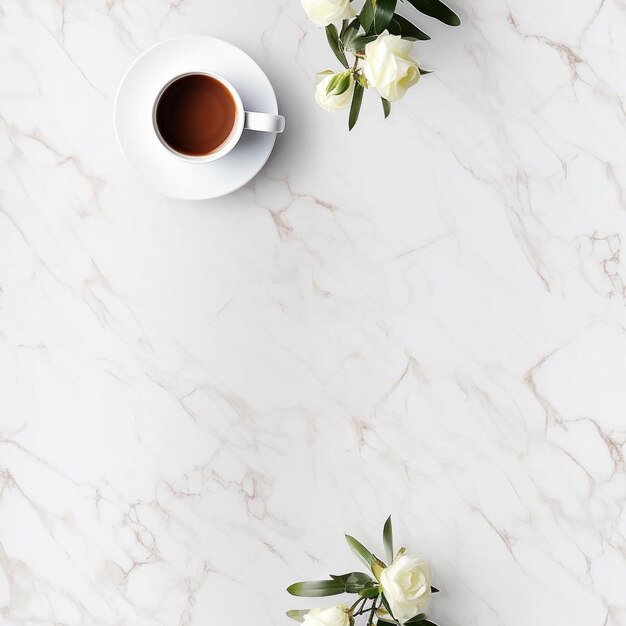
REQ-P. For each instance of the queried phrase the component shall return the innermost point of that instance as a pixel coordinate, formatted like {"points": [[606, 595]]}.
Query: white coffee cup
{"points": [[244, 120]]}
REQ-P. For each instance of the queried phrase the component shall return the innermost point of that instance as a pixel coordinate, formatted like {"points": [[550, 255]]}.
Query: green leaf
{"points": [[354, 582], [357, 587], [339, 83], [355, 23], [418, 618], [388, 529], [358, 43], [366, 16], [357, 547], [425, 622], [355, 108], [343, 85], [333, 41], [383, 12], [386, 111], [297, 614], [409, 30], [394, 27], [369, 592], [434, 589], [438, 10], [332, 83], [350, 33], [316, 588], [360, 578]]}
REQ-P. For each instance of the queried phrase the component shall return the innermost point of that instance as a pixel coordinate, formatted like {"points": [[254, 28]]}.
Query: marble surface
{"points": [[425, 317]]}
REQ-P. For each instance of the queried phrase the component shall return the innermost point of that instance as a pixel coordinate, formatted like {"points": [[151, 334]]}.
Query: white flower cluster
{"points": [[386, 65], [405, 584], [396, 594]]}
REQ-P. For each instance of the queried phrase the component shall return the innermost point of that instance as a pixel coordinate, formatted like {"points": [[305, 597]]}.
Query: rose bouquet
{"points": [[396, 593], [381, 43]]}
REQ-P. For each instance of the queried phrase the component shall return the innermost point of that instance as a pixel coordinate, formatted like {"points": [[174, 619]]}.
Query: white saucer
{"points": [[133, 117]]}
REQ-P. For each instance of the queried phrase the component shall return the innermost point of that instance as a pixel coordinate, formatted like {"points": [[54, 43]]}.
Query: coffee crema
{"points": [[195, 114]]}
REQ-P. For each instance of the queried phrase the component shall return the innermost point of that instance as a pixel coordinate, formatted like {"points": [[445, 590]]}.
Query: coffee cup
{"points": [[199, 116]]}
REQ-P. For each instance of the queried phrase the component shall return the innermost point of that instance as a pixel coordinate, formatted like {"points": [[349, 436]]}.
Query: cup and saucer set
{"points": [[196, 117]]}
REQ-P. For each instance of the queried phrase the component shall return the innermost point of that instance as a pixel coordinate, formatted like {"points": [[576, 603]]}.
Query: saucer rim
{"points": [[180, 196]]}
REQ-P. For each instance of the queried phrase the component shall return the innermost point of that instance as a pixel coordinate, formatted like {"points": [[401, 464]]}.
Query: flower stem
{"points": [[370, 619], [369, 609], [360, 601]]}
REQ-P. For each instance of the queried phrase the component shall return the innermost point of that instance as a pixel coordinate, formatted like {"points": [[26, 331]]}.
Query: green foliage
{"points": [[297, 614], [335, 45], [357, 547], [355, 582], [387, 529], [369, 592], [438, 10], [408, 30], [383, 13], [317, 588], [339, 83], [366, 16], [374, 18], [355, 108], [371, 601]]}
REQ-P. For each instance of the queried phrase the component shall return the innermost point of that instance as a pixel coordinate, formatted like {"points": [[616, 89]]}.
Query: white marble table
{"points": [[425, 317]]}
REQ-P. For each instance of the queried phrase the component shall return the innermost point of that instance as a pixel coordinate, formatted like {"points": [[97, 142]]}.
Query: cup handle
{"points": [[264, 122]]}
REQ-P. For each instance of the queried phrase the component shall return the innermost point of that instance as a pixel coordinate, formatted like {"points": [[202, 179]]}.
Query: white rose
{"points": [[325, 12], [406, 585], [333, 101], [329, 616], [388, 66]]}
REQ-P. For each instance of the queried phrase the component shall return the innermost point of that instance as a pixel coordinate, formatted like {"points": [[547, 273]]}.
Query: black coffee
{"points": [[195, 114]]}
